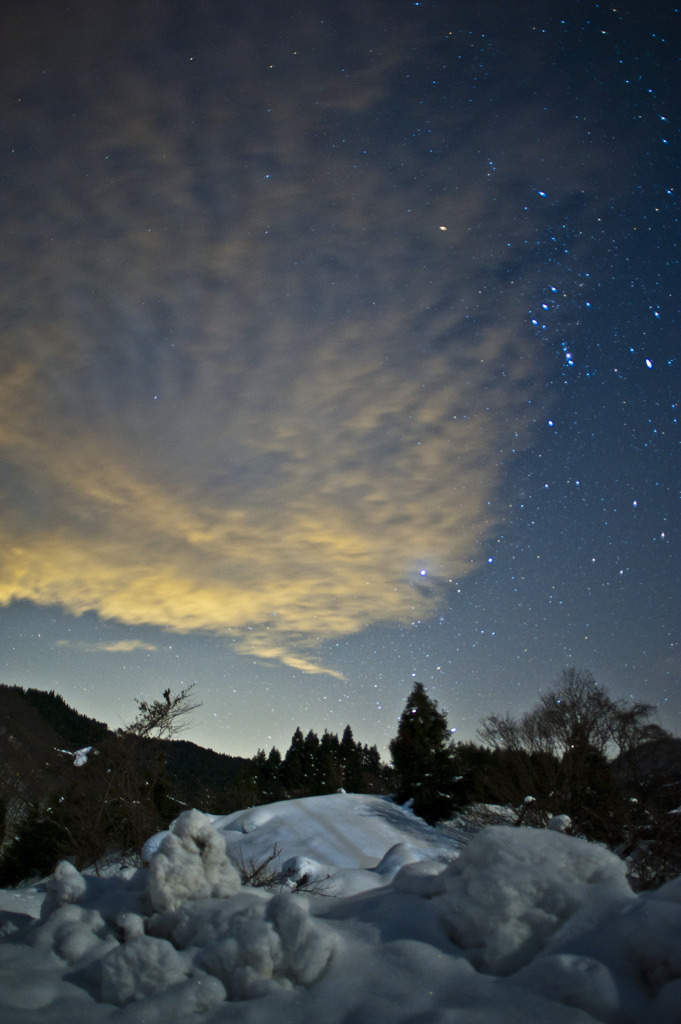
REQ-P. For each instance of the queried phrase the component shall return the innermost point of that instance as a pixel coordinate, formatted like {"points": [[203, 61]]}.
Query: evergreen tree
{"points": [[351, 756], [258, 777], [331, 771], [376, 777], [371, 759], [423, 758], [274, 769], [311, 765], [293, 768]]}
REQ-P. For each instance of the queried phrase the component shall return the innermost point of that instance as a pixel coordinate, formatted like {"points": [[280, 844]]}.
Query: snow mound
{"points": [[304, 870], [340, 831], [253, 819], [574, 980], [559, 823], [511, 890], [191, 863], [524, 925], [66, 885], [396, 857], [141, 968], [266, 946], [152, 845], [203, 938], [75, 934]]}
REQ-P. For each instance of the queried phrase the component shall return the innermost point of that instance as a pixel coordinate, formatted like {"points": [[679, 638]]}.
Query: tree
{"points": [[311, 764], [110, 804], [330, 766], [423, 757], [293, 768], [106, 807], [162, 718], [560, 752], [351, 759], [314, 766], [576, 715], [376, 777]]}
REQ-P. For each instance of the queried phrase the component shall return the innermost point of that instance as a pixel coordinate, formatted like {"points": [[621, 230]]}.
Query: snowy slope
{"points": [[521, 926], [345, 836]]}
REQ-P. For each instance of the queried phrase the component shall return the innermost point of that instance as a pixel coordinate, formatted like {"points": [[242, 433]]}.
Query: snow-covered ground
{"points": [[398, 926]]}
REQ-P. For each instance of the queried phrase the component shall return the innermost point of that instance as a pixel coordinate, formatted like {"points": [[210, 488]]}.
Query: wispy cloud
{"points": [[250, 386], [308, 520], [108, 647]]}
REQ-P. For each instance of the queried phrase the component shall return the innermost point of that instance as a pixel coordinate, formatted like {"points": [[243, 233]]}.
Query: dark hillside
{"points": [[41, 721], [126, 789], [35, 724], [23, 729], [198, 775], [29, 759], [76, 730], [28, 748], [653, 770]]}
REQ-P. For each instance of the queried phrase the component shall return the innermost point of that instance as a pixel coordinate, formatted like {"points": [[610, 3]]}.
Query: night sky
{"points": [[340, 348]]}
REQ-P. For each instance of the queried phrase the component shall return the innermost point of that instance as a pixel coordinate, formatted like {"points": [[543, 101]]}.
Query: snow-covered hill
{"points": [[400, 926]]}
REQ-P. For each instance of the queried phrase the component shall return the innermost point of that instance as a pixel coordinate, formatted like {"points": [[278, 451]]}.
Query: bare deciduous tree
{"points": [[562, 752], [162, 719], [576, 715]]}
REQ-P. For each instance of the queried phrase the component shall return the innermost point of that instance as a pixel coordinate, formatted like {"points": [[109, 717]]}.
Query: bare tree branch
{"points": [[162, 719]]}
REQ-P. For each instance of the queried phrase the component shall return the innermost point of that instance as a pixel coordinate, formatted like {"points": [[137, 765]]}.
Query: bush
{"points": [[32, 853]]}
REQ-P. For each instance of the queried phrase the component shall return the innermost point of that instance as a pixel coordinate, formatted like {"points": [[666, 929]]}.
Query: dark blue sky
{"points": [[340, 349]]}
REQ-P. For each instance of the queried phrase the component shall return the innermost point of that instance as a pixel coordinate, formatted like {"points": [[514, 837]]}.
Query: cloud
{"points": [[109, 647], [250, 387], [276, 527]]}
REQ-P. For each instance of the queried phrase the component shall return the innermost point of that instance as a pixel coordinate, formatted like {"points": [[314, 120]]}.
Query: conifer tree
{"points": [[423, 758], [311, 767], [293, 768], [274, 767], [353, 776], [331, 769]]}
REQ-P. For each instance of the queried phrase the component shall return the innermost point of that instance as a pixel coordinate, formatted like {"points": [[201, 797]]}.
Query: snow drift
{"points": [[520, 925]]}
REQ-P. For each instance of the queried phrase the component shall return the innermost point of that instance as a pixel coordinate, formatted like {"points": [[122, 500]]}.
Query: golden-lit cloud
{"points": [[309, 522], [250, 386], [108, 647]]}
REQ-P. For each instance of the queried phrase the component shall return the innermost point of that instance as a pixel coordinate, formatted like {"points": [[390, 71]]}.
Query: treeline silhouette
{"points": [[313, 766], [602, 766], [602, 763], [130, 784]]}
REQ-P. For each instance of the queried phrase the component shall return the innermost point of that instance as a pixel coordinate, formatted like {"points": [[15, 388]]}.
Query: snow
{"points": [[378, 919], [80, 757], [191, 863], [559, 823]]}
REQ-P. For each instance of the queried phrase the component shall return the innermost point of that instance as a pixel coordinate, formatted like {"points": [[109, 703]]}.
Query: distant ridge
{"points": [[36, 721], [76, 730]]}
